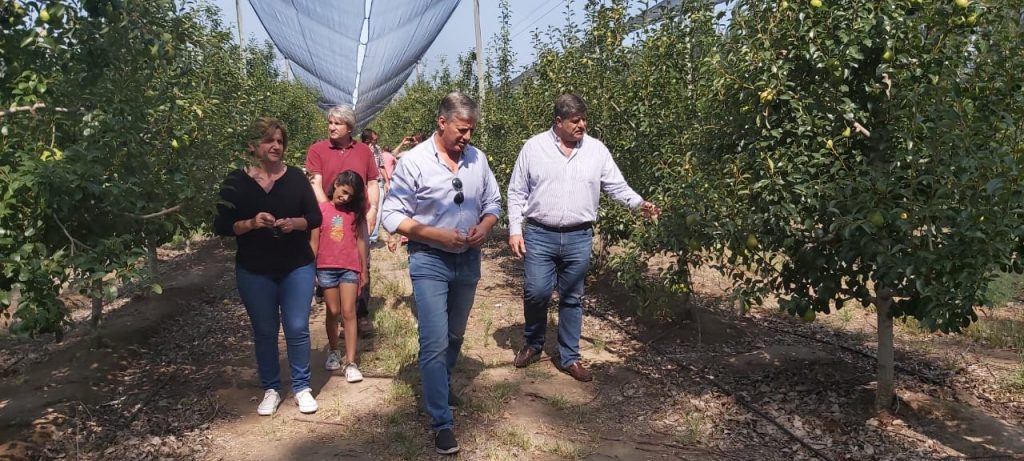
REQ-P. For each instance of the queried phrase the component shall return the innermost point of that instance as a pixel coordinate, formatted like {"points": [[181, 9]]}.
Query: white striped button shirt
{"points": [[559, 191]]}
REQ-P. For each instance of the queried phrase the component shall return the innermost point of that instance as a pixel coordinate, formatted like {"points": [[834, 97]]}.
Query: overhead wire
{"points": [[536, 20]]}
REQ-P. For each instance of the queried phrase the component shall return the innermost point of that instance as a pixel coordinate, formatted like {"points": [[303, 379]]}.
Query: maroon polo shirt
{"points": [[328, 161]]}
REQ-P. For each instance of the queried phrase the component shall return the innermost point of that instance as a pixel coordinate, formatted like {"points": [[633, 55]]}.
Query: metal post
{"points": [[241, 39], [479, 49]]}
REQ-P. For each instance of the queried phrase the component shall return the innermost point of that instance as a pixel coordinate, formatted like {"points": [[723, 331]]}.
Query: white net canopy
{"points": [[321, 39]]}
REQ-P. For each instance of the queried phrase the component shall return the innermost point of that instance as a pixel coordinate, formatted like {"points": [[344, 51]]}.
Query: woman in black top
{"points": [[269, 208]]}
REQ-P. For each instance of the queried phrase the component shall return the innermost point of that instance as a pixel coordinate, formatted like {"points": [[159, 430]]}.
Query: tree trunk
{"points": [[152, 261], [97, 314], [886, 361]]}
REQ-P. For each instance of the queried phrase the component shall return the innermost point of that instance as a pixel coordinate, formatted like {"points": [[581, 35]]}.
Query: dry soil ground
{"points": [[177, 381]]}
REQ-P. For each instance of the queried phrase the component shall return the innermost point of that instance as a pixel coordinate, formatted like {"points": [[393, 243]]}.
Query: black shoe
{"points": [[453, 400], [444, 442]]}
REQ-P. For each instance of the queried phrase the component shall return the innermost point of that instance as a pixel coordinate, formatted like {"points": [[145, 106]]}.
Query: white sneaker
{"points": [[271, 399], [304, 399], [333, 360], [352, 373]]}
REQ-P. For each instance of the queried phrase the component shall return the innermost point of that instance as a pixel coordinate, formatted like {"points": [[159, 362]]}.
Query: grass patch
{"points": [[1005, 288], [332, 410], [495, 454], [514, 437], [844, 316], [402, 436], [403, 444], [691, 430], [537, 373], [488, 325], [493, 398], [399, 391], [273, 427], [599, 345], [1015, 381], [504, 390], [564, 450], [398, 342], [577, 414], [1003, 333], [558, 402], [911, 326], [580, 415], [387, 288]]}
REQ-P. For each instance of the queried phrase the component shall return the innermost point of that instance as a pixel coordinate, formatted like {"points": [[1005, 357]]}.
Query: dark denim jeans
{"points": [[272, 302], [551, 256], [444, 285]]}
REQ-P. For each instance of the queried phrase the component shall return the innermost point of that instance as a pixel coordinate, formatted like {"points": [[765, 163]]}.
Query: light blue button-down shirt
{"points": [[421, 189]]}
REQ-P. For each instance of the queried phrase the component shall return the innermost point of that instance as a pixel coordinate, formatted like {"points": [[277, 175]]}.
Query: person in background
{"points": [[341, 250], [410, 141], [445, 198], [555, 188], [389, 167], [369, 137], [329, 157], [269, 208]]}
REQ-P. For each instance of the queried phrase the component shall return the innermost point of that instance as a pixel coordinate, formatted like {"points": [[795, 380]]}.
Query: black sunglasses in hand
{"points": [[459, 197]]}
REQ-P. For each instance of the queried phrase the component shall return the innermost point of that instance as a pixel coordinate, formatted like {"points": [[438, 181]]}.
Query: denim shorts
{"points": [[330, 278]]}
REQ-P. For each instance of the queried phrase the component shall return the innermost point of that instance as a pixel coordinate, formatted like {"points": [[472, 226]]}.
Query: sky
{"points": [[458, 35]]}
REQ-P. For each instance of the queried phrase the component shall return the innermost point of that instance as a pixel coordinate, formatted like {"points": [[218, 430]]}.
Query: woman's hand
{"points": [[285, 225], [262, 219]]}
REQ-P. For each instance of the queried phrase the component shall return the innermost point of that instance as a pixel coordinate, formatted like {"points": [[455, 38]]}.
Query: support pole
{"points": [[241, 39], [479, 50]]}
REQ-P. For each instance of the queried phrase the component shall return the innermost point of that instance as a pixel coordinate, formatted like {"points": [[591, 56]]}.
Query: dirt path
{"points": [[180, 383]]}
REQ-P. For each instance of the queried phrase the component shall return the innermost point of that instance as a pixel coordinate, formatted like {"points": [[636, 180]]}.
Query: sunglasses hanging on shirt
{"points": [[459, 197]]}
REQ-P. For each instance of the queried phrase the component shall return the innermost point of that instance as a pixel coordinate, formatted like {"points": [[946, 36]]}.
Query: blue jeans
{"points": [[272, 301], [443, 285], [380, 206], [564, 256]]}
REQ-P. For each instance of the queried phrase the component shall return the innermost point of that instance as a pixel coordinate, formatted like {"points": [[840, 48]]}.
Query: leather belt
{"points": [[561, 230]]}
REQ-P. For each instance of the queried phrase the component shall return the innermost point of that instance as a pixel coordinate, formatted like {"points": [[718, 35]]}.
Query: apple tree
{"points": [[873, 150], [119, 120]]}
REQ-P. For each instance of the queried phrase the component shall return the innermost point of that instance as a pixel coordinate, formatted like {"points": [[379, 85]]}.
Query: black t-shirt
{"points": [[260, 251]]}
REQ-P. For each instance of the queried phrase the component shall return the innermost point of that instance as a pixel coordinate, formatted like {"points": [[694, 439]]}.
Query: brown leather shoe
{"points": [[526, 356], [578, 373]]}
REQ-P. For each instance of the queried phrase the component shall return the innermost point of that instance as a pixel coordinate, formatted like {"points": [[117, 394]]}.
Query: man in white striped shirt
{"points": [[555, 188]]}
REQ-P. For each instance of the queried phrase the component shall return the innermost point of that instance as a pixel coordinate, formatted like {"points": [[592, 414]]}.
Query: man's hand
{"points": [[371, 219], [450, 239], [478, 235], [393, 242], [517, 245], [650, 211]]}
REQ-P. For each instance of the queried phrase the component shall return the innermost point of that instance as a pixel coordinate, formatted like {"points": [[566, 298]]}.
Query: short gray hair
{"points": [[458, 105], [343, 114], [568, 105]]}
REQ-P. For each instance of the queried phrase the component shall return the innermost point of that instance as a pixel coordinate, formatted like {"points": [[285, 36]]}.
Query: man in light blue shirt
{"points": [[555, 188], [445, 199]]}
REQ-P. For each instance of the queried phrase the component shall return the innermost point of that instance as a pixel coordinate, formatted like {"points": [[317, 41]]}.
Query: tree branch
{"points": [[72, 239], [160, 213], [33, 108]]}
